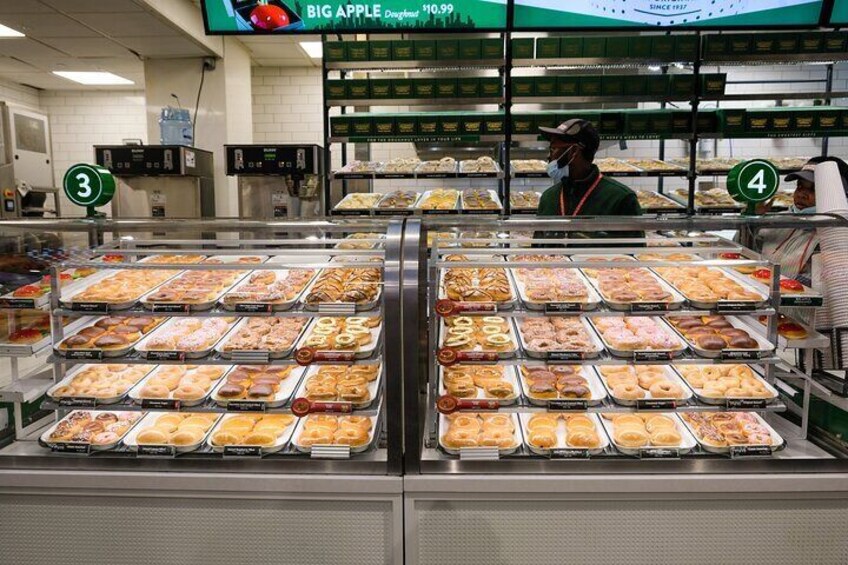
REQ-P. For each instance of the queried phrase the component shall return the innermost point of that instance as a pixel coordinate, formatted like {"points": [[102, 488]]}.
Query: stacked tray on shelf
{"points": [[556, 289], [359, 384], [110, 336], [561, 385], [439, 201], [326, 430], [644, 386], [551, 433], [524, 202], [84, 431], [271, 338], [397, 203], [251, 434], [636, 434], [176, 386], [257, 386], [270, 290], [477, 285], [356, 287], [97, 384], [486, 382], [630, 288], [160, 434], [480, 201], [656, 202], [464, 430], [713, 200], [355, 337], [37, 295], [357, 203], [185, 338], [361, 240]]}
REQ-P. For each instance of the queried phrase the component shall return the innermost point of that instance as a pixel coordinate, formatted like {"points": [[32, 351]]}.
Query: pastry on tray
{"points": [[556, 334], [726, 429], [180, 382], [342, 334], [643, 381], [101, 381], [326, 429], [342, 383], [713, 333], [580, 431], [636, 333], [724, 381], [111, 333], [189, 334], [269, 287], [467, 429], [555, 382], [488, 333], [253, 382], [705, 284], [357, 285], [477, 284], [274, 335], [176, 429], [251, 430], [463, 381], [635, 431], [93, 428]]}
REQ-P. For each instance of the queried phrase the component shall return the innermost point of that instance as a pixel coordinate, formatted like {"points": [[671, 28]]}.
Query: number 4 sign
{"points": [[752, 182], [89, 186]]}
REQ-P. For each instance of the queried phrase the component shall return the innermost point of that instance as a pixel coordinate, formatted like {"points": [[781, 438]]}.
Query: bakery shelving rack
{"points": [[513, 239], [294, 245]]}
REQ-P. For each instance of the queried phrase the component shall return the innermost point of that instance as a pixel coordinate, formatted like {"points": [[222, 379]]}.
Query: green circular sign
{"points": [[89, 185], [753, 181]]}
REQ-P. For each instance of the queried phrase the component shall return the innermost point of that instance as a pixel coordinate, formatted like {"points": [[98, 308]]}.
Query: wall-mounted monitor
{"points": [[839, 16], [254, 17]]}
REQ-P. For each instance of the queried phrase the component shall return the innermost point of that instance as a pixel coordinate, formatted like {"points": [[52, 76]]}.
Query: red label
{"points": [[300, 407], [447, 308], [447, 404], [479, 405], [307, 355], [448, 356], [331, 407]]}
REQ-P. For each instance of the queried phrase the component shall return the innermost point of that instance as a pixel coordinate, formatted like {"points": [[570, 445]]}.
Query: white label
{"points": [[157, 198], [279, 198], [191, 161]]}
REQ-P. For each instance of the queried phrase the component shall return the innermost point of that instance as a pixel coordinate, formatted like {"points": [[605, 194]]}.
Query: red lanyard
{"points": [[582, 200]]}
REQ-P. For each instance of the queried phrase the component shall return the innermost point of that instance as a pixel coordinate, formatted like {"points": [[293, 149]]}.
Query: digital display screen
{"points": [[840, 12], [252, 17], [557, 14]]}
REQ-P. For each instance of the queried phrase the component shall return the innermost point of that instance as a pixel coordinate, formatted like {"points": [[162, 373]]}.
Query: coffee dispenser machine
{"points": [[160, 181], [277, 181]]}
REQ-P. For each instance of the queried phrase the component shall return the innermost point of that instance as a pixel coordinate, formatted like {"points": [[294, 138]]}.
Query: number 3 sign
{"points": [[752, 182], [89, 185]]}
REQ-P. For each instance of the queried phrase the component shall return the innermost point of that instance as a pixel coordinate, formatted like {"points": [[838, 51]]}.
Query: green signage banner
{"points": [[752, 182], [839, 16], [301, 16], [553, 14], [89, 185]]}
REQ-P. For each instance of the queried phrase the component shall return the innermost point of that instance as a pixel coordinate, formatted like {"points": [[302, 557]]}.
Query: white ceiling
{"points": [[280, 51]]}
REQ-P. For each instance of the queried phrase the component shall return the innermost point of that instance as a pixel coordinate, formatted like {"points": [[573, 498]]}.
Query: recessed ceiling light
{"points": [[9, 32], [313, 48], [94, 78]]}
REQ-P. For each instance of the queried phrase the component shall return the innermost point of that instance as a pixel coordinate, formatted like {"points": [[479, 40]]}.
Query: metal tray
{"points": [[525, 209], [777, 441], [141, 347], [672, 375], [365, 307], [374, 387], [562, 446], [648, 354], [101, 353], [675, 303], [477, 349], [510, 375], [687, 439], [352, 211], [359, 449], [349, 239], [564, 355], [501, 304], [51, 392], [281, 442], [593, 301], [219, 347], [465, 210], [85, 447], [724, 304], [135, 392], [9, 300], [765, 347], [284, 394], [108, 305], [274, 306], [807, 296], [593, 382], [10, 349], [517, 436], [419, 205], [149, 421], [723, 400], [361, 353], [406, 210]]}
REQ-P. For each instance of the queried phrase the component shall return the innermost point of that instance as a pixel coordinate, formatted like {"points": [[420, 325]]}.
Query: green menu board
{"points": [[556, 14], [840, 13], [248, 17]]}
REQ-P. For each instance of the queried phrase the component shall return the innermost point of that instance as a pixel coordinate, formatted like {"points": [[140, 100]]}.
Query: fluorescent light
{"points": [[6, 31], [94, 78], [313, 48]]}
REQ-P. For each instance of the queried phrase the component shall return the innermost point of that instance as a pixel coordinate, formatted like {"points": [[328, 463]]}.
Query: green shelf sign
{"points": [[89, 186], [752, 182]]}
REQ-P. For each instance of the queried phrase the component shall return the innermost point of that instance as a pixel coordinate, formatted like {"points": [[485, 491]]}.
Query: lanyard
{"points": [[582, 200]]}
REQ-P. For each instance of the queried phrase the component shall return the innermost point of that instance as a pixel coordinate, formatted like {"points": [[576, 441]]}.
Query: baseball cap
{"points": [[576, 130], [808, 171]]}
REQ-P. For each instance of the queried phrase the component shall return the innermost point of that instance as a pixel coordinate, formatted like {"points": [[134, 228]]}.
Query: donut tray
{"points": [[444, 424], [85, 447], [278, 445], [507, 304], [505, 354], [12, 349], [426, 195], [562, 448], [149, 421], [805, 297], [341, 209], [675, 303], [777, 441], [350, 240], [208, 304], [274, 306], [494, 196], [727, 305], [723, 401], [764, 348], [687, 439], [597, 390], [355, 306], [372, 436], [106, 305], [246, 354], [672, 375], [96, 353], [360, 353], [593, 353], [397, 211], [136, 395], [51, 392], [648, 354], [174, 355], [591, 303], [510, 375], [373, 388], [281, 398], [9, 300]]}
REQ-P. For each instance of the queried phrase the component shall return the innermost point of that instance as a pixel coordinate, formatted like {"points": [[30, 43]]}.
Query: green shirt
{"points": [[610, 198]]}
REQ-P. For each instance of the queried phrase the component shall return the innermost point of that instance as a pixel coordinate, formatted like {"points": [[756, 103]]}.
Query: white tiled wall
{"points": [[287, 105]]}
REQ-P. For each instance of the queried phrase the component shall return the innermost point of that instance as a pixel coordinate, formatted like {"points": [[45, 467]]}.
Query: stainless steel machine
{"points": [[277, 181], [160, 181], [26, 164]]}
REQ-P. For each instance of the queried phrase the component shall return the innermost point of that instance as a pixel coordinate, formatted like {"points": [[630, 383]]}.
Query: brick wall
{"points": [[19, 94]]}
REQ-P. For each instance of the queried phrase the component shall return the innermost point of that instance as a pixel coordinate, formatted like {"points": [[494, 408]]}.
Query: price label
{"points": [[78, 402], [400, 212], [439, 212], [93, 307], [652, 356], [659, 453], [246, 406], [242, 451], [160, 404], [86, 354], [566, 356], [656, 404], [743, 451], [331, 407], [746, 403], [307, 355], [447, 356], [726, 307], [649, 307], [450, 308], [156, 451], [166, 355], [568, 405], [786, 300], [18, 303], [253, 308], [570, 454], [482, 405], [563, 307], [171, 308], [739, 355], [82, 448]]}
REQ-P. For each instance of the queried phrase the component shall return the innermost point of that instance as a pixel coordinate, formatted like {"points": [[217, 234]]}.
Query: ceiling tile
{"points": [[163, 46], [24, 48], [92, 6], [24, 7], [88, 47], [47, 25], [140, 25]]}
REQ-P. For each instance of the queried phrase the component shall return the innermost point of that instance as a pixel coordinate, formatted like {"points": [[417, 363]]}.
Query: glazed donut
{"points": [[460, 438], [362, 422], [666, 389], [489, 320], [736, 438], [710, 342], [351, 436], [628, 392], [155, 391], [469, 423], [500, 437], [497, 340], [543, 422], [184, 437], [647, 380], [462, 321], [498, 421], [458, 341], [666, 437], [741, 371], [737, 392], [631, 438], [575, 391], [104, 438], [490, 330], [659, 422], [189, 392], [543, 438], [152, 436], [583, 439]]}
